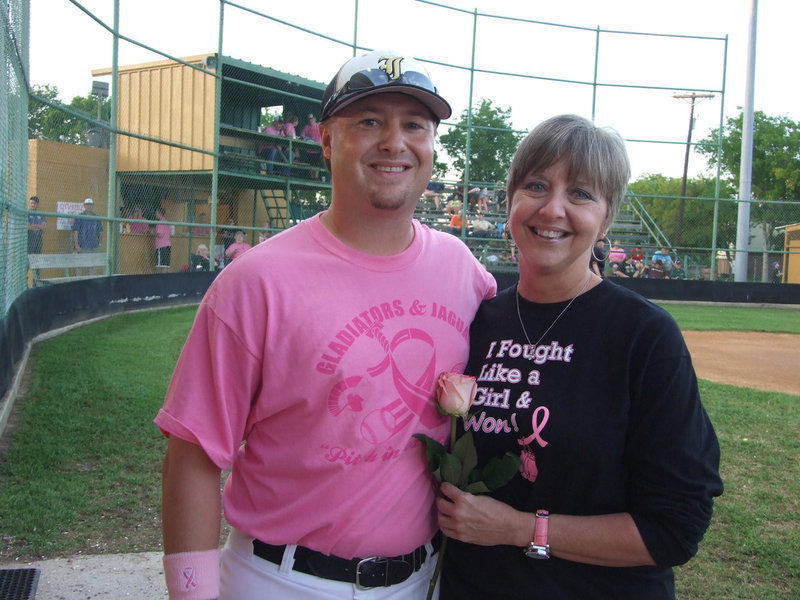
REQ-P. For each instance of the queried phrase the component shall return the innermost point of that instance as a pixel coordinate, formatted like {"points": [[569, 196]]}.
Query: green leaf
{"points": [[464, 449], [477, 488], [499, 471], [451, 468], [433, 451]]}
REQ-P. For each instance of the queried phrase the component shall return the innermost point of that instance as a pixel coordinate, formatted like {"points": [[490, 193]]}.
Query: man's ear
{"points": [[325, 136]]}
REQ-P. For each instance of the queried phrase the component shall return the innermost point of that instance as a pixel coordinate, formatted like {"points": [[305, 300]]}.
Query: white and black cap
{"points": [[378, 72]]}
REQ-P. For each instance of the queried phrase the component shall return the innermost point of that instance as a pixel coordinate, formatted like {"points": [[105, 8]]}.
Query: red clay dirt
{"points": [[763, 361]]}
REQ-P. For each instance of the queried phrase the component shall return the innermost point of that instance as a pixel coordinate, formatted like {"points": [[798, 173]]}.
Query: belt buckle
{"points": [[371, 560]]}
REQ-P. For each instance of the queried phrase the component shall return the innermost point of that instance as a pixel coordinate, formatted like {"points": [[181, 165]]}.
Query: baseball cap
{"points": [[378, 72], [88, 201]]}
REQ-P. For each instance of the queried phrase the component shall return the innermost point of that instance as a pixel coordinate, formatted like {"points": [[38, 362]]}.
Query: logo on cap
{"points": [[391, 66]]}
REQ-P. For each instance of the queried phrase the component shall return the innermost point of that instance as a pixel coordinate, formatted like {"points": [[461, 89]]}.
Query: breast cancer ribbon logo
{"points": [[188, 575], [413, 390], [528, 468]]}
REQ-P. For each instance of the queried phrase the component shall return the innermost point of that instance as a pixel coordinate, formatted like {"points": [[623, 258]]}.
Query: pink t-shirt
{"points": [[616, 254], [312, 132], [163, 235], [325, 360], [236, 249]]}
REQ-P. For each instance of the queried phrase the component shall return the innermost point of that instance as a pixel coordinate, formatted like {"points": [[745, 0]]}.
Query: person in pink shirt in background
{"points": [[310, 133], [310, 130], [163, 241], [267, 151], [311, 364], [616, 253], [138, 227], [237, 248]]}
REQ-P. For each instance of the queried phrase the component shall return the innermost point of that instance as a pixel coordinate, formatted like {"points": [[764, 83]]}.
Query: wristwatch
{"points": [[539, 548]]}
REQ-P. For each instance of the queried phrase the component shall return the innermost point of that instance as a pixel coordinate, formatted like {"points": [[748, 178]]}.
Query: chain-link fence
{"points": [[189, 160]]}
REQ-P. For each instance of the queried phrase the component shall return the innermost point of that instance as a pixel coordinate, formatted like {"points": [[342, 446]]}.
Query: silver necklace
{"points": [[521, 324]]}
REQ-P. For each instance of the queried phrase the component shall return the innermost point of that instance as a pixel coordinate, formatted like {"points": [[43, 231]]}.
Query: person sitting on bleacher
{"points": [[481, 227], [201, 260], [269, 152]]}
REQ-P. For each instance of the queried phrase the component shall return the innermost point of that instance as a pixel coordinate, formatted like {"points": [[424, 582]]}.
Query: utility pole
{"points": [[746, 167], [692, 97]]}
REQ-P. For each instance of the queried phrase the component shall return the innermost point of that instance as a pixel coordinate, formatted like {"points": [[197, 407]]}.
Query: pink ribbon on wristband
{"points": [[192, 575]]}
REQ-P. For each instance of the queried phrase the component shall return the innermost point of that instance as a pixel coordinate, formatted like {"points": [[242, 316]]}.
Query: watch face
{"points": [[539, 552]]}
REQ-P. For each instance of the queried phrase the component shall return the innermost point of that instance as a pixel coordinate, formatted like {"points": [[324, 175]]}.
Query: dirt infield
{"points": [[764, 361]]}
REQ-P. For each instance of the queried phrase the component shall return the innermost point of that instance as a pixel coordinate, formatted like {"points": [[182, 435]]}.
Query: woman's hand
{"points": [[481, 520]]}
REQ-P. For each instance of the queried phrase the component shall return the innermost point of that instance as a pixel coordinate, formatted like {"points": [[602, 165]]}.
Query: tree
{"points": [[46, 122], [659, 195], [492, 142], [775, 174]]}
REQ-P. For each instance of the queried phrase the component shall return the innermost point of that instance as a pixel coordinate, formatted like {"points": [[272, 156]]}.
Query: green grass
{"points": [[735, 318], [81, 470]]}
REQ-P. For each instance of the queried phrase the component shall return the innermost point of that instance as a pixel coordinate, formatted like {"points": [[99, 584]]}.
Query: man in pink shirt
{"points": [[311, 130], [311, 364], [271, 152]]}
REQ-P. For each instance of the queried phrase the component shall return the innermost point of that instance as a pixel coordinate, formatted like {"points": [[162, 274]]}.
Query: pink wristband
{"points": [[192, 575]]}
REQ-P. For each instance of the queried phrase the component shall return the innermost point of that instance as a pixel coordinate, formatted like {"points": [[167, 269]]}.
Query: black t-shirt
{"points": [[607, 413]]}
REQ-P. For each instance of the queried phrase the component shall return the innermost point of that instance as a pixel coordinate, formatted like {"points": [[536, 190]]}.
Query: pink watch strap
{"points": [[541, 527]]}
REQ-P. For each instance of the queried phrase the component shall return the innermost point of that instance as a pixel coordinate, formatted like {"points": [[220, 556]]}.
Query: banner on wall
{"points": [[70, 208]]}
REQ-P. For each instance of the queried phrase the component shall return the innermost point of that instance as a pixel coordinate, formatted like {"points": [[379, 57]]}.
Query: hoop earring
{"points": [[594, 256]]}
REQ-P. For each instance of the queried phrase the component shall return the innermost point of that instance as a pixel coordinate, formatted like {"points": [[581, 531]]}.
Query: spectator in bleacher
{"points": [[36, 226], [677, 272], [310, 131], [483, 200], [628, 268], [453, 205], [434, 190], [290, 123], [289, 130], [312, 362], [163, 241], [656, 270], [200, 261], [472, 197], [597, 261], [270, 151], [638, 254], [664, 256], [500, 196], [237, 248], [616, 253], [481, 227], [458, 223]]}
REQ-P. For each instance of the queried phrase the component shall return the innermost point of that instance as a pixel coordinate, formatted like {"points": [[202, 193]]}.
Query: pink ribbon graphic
{"points": [[537, 428], [188, 575]]}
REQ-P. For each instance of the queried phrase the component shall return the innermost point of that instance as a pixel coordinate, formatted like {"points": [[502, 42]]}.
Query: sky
{"points": [[66, 45]]}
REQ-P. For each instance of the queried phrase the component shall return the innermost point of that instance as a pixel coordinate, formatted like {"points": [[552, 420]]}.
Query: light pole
{"points": [[692, 97]]}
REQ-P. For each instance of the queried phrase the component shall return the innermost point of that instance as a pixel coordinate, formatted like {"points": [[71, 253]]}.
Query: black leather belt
{"points": [[375, 571]]}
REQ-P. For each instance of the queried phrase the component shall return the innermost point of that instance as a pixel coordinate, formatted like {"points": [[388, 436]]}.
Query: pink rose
{"points": [[455, 394]]}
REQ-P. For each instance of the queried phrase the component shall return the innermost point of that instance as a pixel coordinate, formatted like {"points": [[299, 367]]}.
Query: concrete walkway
{"points": [[107, 577]]}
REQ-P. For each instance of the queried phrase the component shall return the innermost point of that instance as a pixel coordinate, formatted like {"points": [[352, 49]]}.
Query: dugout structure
{"points": [[791, 260]]}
